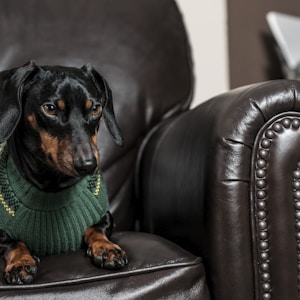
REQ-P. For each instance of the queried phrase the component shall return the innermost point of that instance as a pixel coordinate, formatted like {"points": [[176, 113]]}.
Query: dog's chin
{"points": [[69, 172], [63, 169], [67, 178], [59, 180], [73, 173]]}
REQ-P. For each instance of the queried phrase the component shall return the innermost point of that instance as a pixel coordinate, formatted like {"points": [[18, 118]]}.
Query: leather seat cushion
{"points": [[155, 265]]}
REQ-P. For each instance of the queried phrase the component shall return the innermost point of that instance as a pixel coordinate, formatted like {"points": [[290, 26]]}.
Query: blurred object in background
{"points": [[286, 29]]}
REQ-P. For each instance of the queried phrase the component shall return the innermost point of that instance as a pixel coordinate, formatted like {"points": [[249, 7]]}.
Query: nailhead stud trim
{"points": [[261, 203]]}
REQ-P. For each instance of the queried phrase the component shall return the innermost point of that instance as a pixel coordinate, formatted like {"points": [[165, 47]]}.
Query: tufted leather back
{"points": [[139, 46]]}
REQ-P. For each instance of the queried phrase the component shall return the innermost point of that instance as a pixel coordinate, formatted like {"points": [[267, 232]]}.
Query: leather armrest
{"points": [[196, 185]]}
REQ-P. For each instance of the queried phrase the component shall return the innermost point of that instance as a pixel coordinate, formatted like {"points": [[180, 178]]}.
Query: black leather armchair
{"points": [[206, 201], [141, 48]]}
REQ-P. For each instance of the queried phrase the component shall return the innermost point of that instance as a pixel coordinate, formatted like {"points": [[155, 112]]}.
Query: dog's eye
{"points": [[49, 109], [96, 109]]}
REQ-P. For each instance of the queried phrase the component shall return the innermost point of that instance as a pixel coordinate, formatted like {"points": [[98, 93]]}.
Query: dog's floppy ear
{"points": [[107, 105], [11, 91]]}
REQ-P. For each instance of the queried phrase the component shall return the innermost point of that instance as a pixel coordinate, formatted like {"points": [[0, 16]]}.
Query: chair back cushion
{"points": [[139, 46]]}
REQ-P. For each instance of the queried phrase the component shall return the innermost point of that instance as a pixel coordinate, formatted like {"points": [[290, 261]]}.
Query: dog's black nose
{"points": [[85, 166]]}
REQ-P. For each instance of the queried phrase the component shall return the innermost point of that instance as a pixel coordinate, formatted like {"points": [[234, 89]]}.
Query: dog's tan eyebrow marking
{"points": [[32, 120], [61, 104], [88, 104]]}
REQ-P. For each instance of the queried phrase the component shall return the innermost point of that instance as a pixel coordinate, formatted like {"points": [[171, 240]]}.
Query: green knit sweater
{"points": [[49, 223]]}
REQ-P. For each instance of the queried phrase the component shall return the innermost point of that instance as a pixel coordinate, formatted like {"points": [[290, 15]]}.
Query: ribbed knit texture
{"points": [[49, 223]]}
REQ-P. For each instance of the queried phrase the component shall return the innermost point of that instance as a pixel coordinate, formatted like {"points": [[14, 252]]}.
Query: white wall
{"points": [[206, 23]]}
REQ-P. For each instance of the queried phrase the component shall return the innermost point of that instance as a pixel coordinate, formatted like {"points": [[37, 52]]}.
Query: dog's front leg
{"points": [[101, 250], [21, 266]]}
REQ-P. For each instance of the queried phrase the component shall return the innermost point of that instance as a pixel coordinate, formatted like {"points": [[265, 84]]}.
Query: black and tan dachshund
{"points": [[49, 119]]}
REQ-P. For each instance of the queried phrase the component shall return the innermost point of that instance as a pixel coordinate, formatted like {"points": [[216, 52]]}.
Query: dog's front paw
{"points": [[22, 270], [106, 254]]}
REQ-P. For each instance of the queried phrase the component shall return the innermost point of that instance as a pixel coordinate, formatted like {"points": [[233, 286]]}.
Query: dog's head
{"points": [[60, 108]]}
